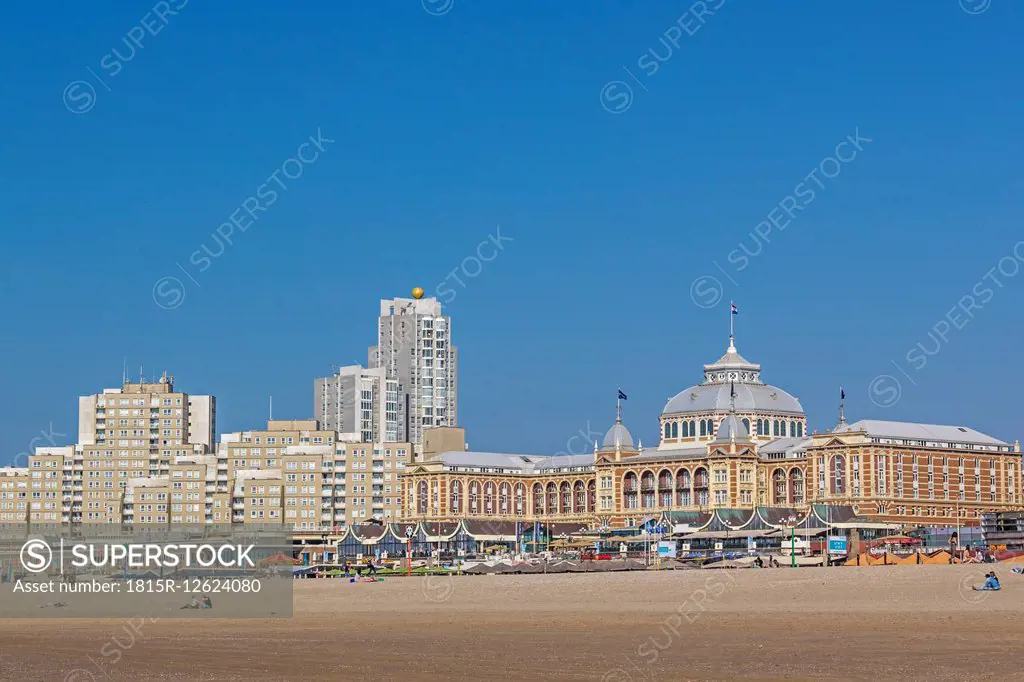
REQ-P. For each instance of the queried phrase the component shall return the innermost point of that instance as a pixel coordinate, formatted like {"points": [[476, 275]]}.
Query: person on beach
{"points": [[991, 583]]}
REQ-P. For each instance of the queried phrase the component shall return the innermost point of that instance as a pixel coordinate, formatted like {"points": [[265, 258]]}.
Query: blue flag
{"points": [[622, 396]]}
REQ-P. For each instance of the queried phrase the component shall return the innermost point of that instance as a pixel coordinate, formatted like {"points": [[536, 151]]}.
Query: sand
{"points": [[910, 622]]}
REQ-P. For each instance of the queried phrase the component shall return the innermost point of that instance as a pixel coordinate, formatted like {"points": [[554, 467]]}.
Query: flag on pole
{"points": [[622, 396], [735, 310], [842, 393]]}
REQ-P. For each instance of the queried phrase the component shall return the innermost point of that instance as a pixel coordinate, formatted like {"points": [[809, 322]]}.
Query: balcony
{"points": [[238, 506]]}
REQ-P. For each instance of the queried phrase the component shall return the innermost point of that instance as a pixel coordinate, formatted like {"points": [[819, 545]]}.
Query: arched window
{"points": [[693, 428], [421, 497], [456, 501], [683, 487], [520, 498], [700, 486], [778, 487], [504, 493], [675, 429], [647, 489], [489, 497], [703, 428], [800, 429], [775, 427], [668, 433], [566, 490], [538, 499], [746, 424], [838, 475], [665, 488], [630, 488], [591, 496], [552, 499], [474, 497], [796, 486], [580, 493]]}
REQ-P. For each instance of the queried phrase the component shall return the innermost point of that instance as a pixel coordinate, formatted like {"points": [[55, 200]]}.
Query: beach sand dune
{"points": [[907, 622]]}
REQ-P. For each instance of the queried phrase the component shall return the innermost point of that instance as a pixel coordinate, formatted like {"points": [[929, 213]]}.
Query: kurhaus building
{"points": [[730, 442]]}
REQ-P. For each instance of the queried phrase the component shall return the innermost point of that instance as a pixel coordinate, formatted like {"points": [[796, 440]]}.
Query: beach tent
{"points": [[279, 560]]}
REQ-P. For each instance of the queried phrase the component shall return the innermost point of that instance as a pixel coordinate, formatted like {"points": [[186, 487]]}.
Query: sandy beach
{"points": [[911, 622]]}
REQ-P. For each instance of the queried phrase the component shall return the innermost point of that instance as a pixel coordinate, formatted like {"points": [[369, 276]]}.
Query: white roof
{"points": [[926, 432], [519, 463], [785, 445]]}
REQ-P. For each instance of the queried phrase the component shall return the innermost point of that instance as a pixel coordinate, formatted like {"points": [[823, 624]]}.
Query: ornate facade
{"points": [[731, 442]]}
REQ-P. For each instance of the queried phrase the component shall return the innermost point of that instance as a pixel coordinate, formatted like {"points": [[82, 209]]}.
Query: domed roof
{"points": [[732, 369], [749, 398], [618, 436], [732, 428]]}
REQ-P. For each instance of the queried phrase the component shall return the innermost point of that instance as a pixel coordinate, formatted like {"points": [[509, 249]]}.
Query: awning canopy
{"points": [[802, 532], [697, 535]]}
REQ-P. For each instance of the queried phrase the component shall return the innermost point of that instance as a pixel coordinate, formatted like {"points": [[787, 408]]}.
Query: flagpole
{"points": [[732, 307]]}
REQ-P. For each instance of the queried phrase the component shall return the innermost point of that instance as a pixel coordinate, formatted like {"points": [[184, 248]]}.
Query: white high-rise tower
{"points": [[414, 346]]}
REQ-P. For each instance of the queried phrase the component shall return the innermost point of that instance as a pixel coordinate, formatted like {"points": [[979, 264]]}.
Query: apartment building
{"points": [[136, 469], [136, 431], [414, 347], [360, 404]]}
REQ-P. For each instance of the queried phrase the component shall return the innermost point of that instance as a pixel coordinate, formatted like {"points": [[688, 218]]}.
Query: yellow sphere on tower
{"points": [[417, 293]]}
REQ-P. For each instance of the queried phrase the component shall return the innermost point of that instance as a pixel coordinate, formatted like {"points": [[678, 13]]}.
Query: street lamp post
{"points": [[408, 550], [792, 541]]}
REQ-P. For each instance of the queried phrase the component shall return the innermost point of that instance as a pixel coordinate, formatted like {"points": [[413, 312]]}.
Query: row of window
{"points": [[694, 428]]}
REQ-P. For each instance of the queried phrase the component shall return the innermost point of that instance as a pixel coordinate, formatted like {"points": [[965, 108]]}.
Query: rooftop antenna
{"points": [[124, 372], [141, 379], [271, 408]]}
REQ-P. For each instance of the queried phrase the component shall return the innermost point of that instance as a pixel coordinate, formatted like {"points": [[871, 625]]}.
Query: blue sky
{"points": [[481, 114]]}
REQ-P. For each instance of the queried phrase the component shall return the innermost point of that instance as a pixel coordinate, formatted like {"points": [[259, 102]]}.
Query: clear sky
{"points": [[630, 205]]}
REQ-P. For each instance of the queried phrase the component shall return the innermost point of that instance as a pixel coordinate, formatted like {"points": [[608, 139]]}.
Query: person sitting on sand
{"points": [[207, 602], [991, 583], [194, 604]]}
